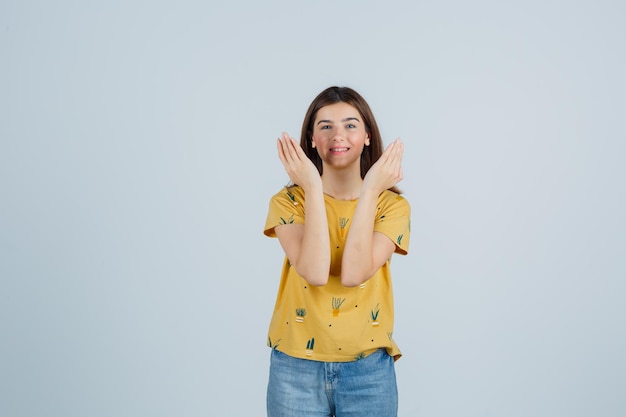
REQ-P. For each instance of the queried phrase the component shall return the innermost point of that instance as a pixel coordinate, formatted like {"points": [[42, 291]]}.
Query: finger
{"points": [[301, 154], [397, 158], [395, 152], [399, 149], [392, 151], [281, 151], [297, 150], [286, 143], [384, 157], [286, 146], [290, 148]]}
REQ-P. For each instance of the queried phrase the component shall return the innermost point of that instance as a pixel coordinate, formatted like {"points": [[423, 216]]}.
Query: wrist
{"points": [[313, 189], [369, 193]]}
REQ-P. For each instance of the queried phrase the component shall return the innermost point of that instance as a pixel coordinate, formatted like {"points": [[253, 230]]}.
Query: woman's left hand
{"points": [[387, 171]]}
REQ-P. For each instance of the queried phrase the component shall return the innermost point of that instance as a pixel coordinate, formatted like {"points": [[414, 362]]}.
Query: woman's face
{"points": [[339, 135]]}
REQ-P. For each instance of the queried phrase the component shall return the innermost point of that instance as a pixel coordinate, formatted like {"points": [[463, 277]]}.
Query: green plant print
{"points": [[300, 313], [374, 314], [337, 302], [288, 221], [271, 344], [292, 198], [400, 239], [310, 344], [343, 222], [359, 356]]}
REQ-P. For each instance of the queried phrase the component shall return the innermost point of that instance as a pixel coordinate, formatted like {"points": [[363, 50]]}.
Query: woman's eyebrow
{"points": [[347, 119]]}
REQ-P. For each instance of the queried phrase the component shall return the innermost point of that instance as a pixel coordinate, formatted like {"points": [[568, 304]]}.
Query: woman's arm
{"points": [[366, 251], [307, 246]]}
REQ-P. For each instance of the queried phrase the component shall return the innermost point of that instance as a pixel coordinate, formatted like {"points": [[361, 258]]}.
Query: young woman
{"points": [[339, 222]]}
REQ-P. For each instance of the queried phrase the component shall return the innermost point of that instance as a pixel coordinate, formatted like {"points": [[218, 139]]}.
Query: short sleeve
{"points": [[393, 219], [286, 207]]}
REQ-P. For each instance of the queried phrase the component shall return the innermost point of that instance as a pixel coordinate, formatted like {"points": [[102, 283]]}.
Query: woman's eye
{"points": [[325, 127], [350, 126]]}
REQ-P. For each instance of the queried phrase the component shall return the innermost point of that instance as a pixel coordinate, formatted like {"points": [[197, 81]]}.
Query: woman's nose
{"points": [[339, 135]]}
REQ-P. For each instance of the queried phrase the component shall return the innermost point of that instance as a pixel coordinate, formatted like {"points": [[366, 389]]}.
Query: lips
{"points": [[339, 149]]}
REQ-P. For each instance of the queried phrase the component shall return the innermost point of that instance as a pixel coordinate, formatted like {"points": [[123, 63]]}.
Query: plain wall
{"points": [[137, 158]]}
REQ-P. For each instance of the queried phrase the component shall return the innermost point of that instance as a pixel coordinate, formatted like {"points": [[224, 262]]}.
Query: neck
{"points": [[342, 184]]}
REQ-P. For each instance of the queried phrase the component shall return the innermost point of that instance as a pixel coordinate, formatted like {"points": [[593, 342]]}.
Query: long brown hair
{"points": [[333, 95]]}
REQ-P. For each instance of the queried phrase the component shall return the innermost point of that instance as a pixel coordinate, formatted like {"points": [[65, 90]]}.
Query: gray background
{"points": [[138, 156]]}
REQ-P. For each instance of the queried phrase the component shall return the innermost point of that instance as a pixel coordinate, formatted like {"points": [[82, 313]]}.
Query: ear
{"points": [[312, 142], [367, 140]]}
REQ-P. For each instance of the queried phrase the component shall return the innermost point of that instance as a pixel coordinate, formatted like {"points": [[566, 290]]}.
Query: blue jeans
{"points": [[307, 388]]}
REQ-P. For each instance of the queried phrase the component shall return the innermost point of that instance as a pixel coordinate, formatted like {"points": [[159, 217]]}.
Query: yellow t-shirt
{"points": [[334, 323]]}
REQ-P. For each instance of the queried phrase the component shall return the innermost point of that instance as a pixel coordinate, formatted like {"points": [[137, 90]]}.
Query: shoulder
{"points": [[292, 194], [288, 200], [390, 198], [285, 207]]}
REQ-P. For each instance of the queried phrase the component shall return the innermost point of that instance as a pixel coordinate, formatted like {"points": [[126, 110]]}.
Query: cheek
{"points": [[318, 140], [322, 134]]}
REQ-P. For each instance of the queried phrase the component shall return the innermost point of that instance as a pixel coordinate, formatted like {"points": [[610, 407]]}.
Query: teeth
{"points": [[339, 149]]}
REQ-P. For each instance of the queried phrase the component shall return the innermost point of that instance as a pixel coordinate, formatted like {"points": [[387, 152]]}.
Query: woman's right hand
{"points": [[298, 166]]}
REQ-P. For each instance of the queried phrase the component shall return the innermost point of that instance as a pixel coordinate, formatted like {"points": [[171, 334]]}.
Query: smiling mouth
{"points": [[339, 149]]}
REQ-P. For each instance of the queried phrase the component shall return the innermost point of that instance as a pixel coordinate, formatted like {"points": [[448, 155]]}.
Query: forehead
{"points": [[336, 112]]}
